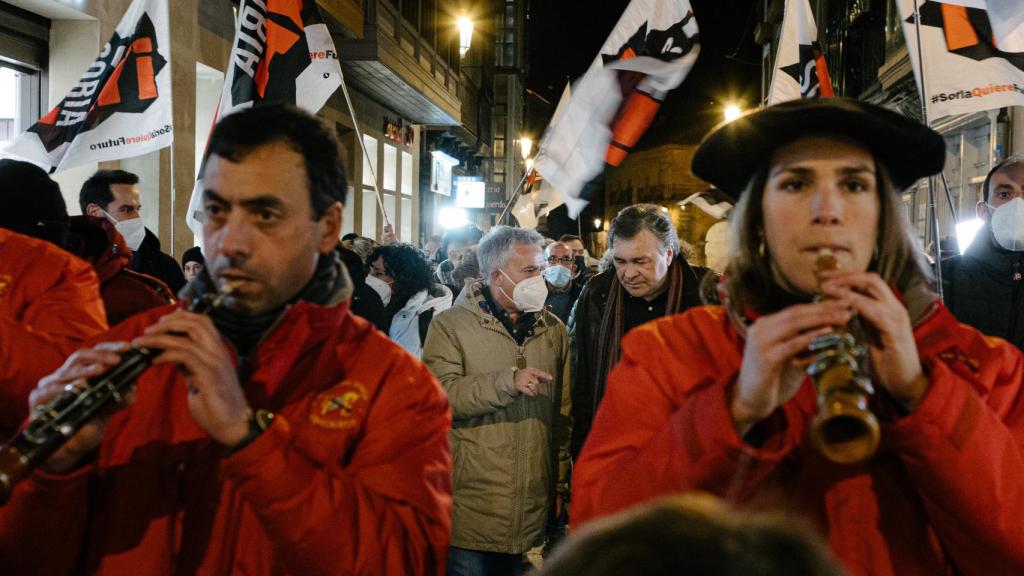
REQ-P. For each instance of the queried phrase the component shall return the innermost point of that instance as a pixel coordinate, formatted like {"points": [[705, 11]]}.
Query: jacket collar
{"points": [[472, 299], [985, 250]]}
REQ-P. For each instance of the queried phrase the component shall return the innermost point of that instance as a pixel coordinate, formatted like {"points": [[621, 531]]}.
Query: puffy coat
{"points": [[942, 495], [352, 477], [49, 304], [125, 292], [985, 288], [505, 445]]}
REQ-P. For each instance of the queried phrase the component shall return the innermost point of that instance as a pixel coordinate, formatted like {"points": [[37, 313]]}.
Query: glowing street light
{"points": [[527, 146], [465, 34], [597, 223], [732, 112]]}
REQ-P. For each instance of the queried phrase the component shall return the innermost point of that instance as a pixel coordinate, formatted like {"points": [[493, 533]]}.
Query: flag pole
{"points": [[934, 219], [173, 202], [515, 195], [366, 154]]}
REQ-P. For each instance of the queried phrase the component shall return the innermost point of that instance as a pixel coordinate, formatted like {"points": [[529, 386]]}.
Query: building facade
{"points": [[868, 59], [400, 59]]}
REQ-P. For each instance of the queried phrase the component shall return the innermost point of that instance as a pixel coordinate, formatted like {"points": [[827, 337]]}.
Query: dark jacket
{"points": [[983, 288], [148, 259], [584, 339], [560, 303]]}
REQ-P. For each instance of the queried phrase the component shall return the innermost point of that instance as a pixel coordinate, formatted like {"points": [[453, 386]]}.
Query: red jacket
{"points": [[125, 292], [942, 496], [352, 477], [49, 304]]}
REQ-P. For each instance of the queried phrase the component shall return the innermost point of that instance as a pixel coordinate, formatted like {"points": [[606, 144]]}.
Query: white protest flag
{"points": [[650, 52], [121, 106], [800, 69], [712, 202], [964, 70], [282, 54], [1006, 18]]}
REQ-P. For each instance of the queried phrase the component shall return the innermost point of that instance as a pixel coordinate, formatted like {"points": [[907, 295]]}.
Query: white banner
{"points": [[964, 71], [121, 106], [271, 64], [651, 50], [1006, 18]]}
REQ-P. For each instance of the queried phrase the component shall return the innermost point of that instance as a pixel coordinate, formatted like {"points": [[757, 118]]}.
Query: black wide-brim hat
{"points": [[731, 153]]}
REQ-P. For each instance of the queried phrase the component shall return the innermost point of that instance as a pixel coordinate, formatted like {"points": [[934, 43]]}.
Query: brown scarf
{"points": [[609, 348]]}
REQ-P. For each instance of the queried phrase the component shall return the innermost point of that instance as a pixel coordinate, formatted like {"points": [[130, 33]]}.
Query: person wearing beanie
{"points": [[192, 263]]}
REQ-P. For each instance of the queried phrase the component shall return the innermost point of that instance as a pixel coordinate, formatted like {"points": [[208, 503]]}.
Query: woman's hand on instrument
{"points": [[80, 366], [894, 356], [770, 373], [215, 396]]}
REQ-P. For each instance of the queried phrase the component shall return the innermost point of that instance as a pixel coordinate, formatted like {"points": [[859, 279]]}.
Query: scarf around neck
{"points": [[244, 329]]}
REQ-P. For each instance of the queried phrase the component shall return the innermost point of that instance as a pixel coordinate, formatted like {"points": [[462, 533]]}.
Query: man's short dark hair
{"points": [[569, 238], [631, 220], [33, 203], [1010, 161], [241, 133], [96, 189]]}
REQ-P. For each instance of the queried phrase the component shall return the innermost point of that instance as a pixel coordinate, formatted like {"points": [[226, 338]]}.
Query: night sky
{"points": [[565, 35]]}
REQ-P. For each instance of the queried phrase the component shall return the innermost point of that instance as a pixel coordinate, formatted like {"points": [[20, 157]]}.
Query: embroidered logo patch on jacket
{"points": [[343, 406]]}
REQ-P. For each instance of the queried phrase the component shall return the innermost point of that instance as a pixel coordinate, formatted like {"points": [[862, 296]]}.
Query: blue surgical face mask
{"points": [[558, 276]]}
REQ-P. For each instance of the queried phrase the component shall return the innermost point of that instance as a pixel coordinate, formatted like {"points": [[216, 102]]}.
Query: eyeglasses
{"points": [[560, 260]]}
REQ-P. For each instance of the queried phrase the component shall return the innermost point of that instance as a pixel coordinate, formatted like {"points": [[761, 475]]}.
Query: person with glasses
{"points": [[983, 287], [561, 275]]}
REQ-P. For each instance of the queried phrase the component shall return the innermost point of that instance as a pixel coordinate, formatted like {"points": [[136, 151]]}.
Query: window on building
{"points": [[348, 219], [369, 163], [407, 174], [390, 178], [405, 230], [389, 209], [9, 108], [369, 229]]}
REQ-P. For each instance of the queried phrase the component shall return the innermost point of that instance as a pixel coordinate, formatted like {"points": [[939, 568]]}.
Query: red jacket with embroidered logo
{"points": [[352, 477], [49, 304], [942, 496]]}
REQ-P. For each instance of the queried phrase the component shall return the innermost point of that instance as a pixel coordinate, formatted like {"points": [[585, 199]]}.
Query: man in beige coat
{"points": [[504, 362]]}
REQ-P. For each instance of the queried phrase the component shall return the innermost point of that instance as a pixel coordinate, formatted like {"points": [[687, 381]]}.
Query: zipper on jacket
{"points": [[521, 356]]}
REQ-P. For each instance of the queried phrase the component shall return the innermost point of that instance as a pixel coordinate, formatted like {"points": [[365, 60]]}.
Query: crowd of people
{"points": [[494, 403]]}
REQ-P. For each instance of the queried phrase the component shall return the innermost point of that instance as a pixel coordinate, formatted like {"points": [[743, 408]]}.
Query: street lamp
{"points": [[732, 112], [465, 35], [527, 145]]}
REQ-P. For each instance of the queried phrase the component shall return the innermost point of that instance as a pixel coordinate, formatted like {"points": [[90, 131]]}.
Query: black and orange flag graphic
{"points": [[120, 107]]}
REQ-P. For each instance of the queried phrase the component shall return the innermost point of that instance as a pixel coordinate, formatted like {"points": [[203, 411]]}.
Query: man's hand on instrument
{"points": [[894, 357], [215, 398], [80, 366], [770, 373]]}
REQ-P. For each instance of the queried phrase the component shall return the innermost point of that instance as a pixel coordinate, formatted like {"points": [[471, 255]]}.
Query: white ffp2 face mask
{"points": [[1007, 224], [382, 288], [133, 231], [529, 294]]}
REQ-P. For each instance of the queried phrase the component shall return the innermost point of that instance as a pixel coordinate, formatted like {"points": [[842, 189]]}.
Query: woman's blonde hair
{"points": [[750, 283]]}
